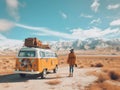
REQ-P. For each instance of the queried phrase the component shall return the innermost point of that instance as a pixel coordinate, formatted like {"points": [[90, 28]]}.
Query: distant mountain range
{"points": [[10, 44], [87, 44]]}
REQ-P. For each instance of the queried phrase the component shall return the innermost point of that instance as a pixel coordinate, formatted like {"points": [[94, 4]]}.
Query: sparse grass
{"points": [[106, 85], [7, 64], [108, 79], [53, 82], [102, 77], [113, 73]]}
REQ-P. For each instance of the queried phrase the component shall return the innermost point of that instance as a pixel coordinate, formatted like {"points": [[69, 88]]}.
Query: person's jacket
{"points": [[71, 59]]}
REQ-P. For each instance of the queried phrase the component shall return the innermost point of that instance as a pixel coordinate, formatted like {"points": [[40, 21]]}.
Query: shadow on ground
{"points": [[11, 78], [17, 78]]}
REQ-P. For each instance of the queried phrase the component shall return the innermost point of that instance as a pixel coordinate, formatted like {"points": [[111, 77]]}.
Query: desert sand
{"points": [[94, 72], [58, 81]]}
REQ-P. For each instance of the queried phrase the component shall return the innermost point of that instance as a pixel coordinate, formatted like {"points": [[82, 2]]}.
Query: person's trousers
{"points": [[71, 68]]}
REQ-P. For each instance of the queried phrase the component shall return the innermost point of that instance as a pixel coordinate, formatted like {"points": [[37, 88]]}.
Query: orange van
{"points": [[35, 61]]}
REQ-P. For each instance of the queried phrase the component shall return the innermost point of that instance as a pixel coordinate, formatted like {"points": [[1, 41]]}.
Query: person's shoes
{"points": [[69, 75], [72, 75]]}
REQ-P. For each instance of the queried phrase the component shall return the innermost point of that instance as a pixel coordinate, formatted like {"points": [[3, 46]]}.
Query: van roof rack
{"points": [[35, 43]]}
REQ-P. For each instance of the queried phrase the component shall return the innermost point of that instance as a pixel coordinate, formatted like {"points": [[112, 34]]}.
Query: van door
{"points": [[27, 61], [43, 60]]}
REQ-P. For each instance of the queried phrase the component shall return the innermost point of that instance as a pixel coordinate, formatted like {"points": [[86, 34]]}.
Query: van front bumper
{"points": [[26, 72]]}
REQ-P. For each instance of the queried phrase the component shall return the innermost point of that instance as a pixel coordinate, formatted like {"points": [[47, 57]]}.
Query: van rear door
{"points": [[27, 61]]}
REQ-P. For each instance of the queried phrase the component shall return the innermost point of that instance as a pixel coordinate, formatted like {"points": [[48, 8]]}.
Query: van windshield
{"points": [[26, 54]]}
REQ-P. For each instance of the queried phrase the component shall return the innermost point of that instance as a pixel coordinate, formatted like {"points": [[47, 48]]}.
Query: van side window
{"points": [[56, 55], [47, 54], [53, 55], [26, 54], [42, 54]]}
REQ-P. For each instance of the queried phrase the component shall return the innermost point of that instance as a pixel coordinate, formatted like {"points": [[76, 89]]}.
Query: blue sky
{"points": [[51, 20]]}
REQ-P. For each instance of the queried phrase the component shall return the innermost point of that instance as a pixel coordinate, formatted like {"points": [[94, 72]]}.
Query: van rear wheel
{"points": [[22, 75], [55, 69], [43, 74]]}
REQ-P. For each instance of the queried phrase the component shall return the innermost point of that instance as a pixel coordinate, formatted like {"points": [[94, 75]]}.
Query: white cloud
{"points": [[111, 7], [95, 5], [12, 6], [5, 25], [92, 33], [96, 21], [47, 31], [63, 15], [40, 34], [86, 16], [75, 33], [115, 23]]}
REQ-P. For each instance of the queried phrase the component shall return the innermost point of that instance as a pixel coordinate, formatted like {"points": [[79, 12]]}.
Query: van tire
{"points": [[43, 74], [55, 69], [22, 75]]}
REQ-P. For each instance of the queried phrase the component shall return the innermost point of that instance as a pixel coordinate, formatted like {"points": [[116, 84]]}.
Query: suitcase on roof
{"points": [[32, 42]]}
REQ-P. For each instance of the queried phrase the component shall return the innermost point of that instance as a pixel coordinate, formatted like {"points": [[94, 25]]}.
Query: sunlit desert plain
{"points": [[107, 73]]}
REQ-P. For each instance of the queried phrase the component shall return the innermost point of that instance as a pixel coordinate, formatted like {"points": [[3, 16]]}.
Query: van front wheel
{"points": [[43, 74]]}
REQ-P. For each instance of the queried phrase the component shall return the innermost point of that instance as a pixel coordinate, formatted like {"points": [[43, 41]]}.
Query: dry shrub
{"points": [[94, 86], [102, 77], [81, 66], [108, 79], [96, 65], [110, 85], [107, 75], [99, 65], [92, 65], [114, 75], [106, 85], [54, 82]]}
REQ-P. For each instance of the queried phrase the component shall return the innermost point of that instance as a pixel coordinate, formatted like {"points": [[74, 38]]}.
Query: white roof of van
{"points": [[33, 48]]}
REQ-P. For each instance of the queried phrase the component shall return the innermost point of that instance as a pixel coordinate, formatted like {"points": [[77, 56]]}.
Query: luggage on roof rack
{"points": [[34, 42], [45, 46]]}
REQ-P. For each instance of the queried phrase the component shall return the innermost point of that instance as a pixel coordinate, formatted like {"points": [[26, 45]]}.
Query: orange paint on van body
{"points": [[37, 63]]}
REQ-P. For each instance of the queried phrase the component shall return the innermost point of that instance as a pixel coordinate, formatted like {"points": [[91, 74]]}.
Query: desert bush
{"points": [[103, 77], [99, 65], [113, 75], [113, 53], [92, 65], [81, 66]]}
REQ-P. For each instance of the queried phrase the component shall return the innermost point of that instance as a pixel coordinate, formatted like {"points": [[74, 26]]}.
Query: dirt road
{"points": [[58, 81]]}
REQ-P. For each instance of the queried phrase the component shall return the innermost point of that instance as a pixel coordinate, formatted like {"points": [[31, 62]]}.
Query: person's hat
{"points": [[71, 50]]}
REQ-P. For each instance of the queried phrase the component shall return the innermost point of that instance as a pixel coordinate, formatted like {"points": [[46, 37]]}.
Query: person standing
{"points": [[71, 61]]}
